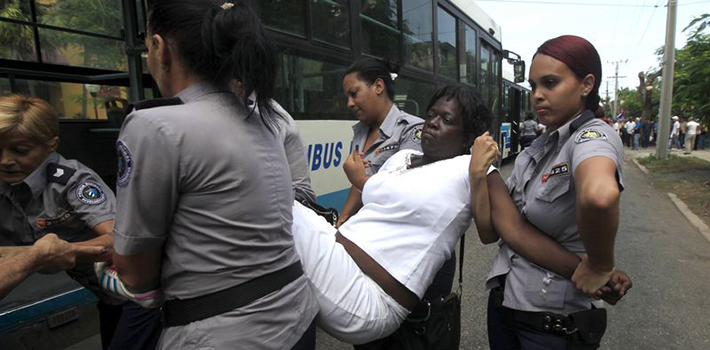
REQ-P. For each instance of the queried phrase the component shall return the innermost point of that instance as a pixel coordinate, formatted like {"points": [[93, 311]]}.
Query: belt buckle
{"points": [[420, 319]]}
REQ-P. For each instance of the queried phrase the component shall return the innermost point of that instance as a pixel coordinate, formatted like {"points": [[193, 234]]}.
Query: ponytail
{"points": [[370, 69], [221, 42]]}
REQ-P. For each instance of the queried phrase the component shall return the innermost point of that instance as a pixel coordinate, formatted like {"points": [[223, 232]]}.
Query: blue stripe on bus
{"points": [[334, 199], [23, 316]]}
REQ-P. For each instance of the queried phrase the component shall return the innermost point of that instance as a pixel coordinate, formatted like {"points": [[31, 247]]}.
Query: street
{"points": [[668, 260]]}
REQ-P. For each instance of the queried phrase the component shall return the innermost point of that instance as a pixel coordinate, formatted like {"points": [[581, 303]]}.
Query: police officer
{"points": [[382, 129], [41, 193], [576, 165], [204, 192]]}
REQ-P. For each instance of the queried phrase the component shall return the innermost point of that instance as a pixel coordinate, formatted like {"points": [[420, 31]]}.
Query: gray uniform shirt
{"points": [[542, 187], [63, 197], [399, 131], [295, 155], [211, 187]]}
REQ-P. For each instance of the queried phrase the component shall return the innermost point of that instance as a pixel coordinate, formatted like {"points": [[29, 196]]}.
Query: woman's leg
{"points": [[353, 308]]}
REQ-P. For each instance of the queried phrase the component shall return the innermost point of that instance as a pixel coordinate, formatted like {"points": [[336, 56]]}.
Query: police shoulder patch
{"points": [[90, 192], [590, 134], [59, 173], [125, 163], [417, 134]]}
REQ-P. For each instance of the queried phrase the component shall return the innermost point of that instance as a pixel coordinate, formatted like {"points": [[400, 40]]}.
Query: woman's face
{"points": [[21, 155], [556, 91], [443, 132], [363, 98]]}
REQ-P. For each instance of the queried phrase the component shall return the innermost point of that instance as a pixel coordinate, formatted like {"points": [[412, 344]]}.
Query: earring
{"points": [[584, 95]]}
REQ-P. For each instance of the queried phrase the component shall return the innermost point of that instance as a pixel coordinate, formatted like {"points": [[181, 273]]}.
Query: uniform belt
{"points": [[546, 321], [180, 312]]}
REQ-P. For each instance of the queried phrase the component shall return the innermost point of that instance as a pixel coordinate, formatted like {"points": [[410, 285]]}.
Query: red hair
{"points": [[581, 57]]}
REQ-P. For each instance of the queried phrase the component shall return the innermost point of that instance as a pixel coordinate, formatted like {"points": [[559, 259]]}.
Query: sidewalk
{"points": [[645, 152]]}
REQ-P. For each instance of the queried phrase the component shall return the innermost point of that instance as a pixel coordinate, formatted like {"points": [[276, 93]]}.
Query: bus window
{"points": [[78, 50], [446, 33], [5, 87], [412, 96], [468, 54], [380, 28], [287, 16], [96, 16], [484, 79], [417, 27], [75, 101], [495, 84], [17, 42], [331, 21], [311, 89]]}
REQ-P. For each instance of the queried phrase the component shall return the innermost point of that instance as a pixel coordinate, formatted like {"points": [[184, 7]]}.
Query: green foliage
{"points": [[674, 164], [630, 102], [17, 41], [691, 93]]}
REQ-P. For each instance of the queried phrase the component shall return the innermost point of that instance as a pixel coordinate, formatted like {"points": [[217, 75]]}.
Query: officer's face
{"points": [[362, 97], [443, 132], [556, 91], [21, 155]]}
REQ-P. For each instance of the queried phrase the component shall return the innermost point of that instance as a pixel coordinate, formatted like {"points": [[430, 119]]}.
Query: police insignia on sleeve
{"points": [[417, 135], [90, 193], [590, 134], [125, 163]]}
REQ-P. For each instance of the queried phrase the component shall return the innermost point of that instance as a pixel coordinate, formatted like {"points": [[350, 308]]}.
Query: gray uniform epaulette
{"points": [[152, 103], [583, 119], [59, 173]]}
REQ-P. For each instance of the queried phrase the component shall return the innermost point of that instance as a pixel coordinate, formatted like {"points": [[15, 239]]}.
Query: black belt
{"points": [[181, 312]]}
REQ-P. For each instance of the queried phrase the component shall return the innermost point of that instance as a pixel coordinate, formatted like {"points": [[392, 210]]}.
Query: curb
{"points": [[694, 219], [643, 168]]}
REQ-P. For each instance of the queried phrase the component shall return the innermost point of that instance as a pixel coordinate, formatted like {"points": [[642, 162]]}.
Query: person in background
{"points": [[637, 134], [675, 133], [41, 192], [683, 130], [691, 133], [382, 129], [646, 129], [629, 126], [702, 136], [529, 131]]}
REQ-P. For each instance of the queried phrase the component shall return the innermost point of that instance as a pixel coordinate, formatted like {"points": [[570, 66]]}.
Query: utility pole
{"points": [[616, 85], [667, 84]]}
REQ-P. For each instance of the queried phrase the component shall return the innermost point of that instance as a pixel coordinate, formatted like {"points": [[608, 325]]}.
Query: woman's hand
{"points": [[483, 153], [616, 288], [589, 280], [354, 168]]}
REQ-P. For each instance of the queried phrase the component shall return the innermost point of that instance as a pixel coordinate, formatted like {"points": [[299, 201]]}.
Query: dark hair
{"points": [[370, 69], [220, 43], [581, 57], [476, 119], [529, 116]]}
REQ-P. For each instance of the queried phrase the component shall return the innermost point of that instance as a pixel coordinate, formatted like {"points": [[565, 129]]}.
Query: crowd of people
{"points": [[207, 244], [687, 135]]}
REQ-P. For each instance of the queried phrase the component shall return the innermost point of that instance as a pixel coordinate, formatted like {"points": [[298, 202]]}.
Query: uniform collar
{"points": [[199, 89], [387, 128], [563, 133], [37, 181]]}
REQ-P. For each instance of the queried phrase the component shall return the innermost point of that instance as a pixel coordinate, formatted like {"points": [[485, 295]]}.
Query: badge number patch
{"points": [[90, 193], [417, 135], [590, 134], [125, 163]]}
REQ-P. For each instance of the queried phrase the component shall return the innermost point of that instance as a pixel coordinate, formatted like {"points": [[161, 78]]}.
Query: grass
{"points": [[687, 177]]}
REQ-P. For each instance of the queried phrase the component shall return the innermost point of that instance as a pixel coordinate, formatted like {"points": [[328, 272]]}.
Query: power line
{"points": [[645, 30]]}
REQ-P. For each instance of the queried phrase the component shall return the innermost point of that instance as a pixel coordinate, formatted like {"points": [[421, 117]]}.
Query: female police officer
{"points": [[204, 194], [41, 193], [383, 129], [567, 183]]}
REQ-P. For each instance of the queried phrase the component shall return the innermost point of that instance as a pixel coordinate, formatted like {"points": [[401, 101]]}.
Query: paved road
{"points": [[669, 261]]}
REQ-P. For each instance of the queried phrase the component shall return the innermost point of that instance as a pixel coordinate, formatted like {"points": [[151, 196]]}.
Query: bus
{"points": [[516, 105], [86, 58]]}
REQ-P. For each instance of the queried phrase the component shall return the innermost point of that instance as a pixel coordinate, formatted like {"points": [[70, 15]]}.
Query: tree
{"points": [[648, 93]]}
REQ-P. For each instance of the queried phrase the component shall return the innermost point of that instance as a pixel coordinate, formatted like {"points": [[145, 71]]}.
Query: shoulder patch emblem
{"points": [[417, 135], [125, 163], [59, 174], [90, 193], [590, 134]]}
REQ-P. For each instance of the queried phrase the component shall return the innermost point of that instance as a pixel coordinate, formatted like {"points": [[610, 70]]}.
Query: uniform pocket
{"points": [[554, 188], [546, 289]]}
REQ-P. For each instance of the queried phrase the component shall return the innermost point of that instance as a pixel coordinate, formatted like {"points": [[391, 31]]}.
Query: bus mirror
{"points": [[519, 71]]}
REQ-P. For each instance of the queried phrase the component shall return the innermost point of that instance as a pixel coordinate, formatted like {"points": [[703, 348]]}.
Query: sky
{"points": [[629, 31]]}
